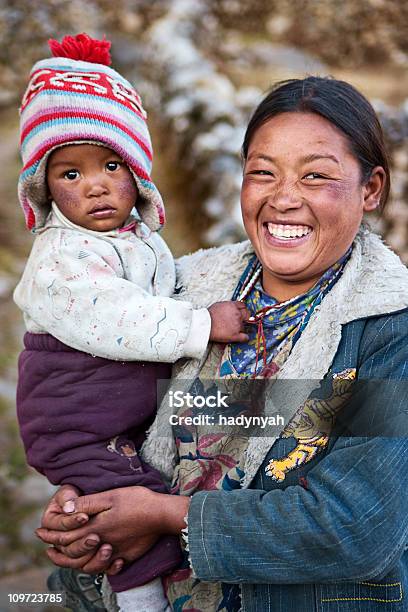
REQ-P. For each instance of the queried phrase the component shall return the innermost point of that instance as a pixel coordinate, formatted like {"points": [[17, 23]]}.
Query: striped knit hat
{"points": [[74, 97]]}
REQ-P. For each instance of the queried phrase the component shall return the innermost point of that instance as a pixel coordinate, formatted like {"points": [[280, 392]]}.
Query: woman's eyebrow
{"points": [[315, 156], [256, 155], [306, 159]]}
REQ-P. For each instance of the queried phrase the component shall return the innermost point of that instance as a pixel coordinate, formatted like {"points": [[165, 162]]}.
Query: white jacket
{"points": [[109, 294]]}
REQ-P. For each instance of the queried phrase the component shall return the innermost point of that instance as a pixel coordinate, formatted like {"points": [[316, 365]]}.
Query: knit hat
{"points": [[73, 98]]}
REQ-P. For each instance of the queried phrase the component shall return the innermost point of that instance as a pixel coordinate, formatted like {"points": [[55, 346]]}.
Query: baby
{"points": [[102, 325]]}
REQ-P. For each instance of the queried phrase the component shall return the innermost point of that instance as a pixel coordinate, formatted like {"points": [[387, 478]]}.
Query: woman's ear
{"points": [[373, 189]]}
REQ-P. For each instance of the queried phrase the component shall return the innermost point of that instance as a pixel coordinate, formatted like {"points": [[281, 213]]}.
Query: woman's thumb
{"points": [[89, 504]]}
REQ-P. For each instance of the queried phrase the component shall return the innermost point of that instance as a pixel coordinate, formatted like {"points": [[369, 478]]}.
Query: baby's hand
{"points": [[227, 322]]}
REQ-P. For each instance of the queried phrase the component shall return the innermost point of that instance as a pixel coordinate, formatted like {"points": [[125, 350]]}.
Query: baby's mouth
{"points": [[102, 211]]}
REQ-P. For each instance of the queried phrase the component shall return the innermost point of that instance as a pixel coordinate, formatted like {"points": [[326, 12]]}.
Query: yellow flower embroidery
{"points": [[311, 426]]}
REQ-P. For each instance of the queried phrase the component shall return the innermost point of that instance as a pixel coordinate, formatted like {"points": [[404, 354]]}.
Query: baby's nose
{"points": [[96, 187]]}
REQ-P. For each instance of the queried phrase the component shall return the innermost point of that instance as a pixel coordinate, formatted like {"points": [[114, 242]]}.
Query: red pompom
{"points": [[82, 47]]}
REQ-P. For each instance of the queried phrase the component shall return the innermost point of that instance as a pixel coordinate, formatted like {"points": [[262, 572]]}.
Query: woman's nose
{"points": [[285, 197]]}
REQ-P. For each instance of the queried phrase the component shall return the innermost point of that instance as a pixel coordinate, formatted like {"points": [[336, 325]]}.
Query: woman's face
{"points": [[302, 199]]}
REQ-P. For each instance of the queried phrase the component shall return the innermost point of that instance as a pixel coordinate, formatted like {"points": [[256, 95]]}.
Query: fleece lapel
{"points": [[211, 275], [205, 277]]}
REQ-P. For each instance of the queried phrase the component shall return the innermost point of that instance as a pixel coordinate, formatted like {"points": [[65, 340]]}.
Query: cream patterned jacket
{"points": [[109, 294]]}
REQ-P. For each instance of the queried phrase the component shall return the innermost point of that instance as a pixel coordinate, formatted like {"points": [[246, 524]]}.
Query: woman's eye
{"points": [[71, 175], [113, 165], [261, 172], [314, 175]]}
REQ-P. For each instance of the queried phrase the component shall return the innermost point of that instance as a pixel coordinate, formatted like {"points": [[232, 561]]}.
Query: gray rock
{"points": [[32, 522], [34, 489]]}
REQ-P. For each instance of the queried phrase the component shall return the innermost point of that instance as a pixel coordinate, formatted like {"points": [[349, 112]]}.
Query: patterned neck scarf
{"points": [[272, 325]]}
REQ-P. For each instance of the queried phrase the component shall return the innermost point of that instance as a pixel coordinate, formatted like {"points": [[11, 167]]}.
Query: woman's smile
{"points": [[287, 235]]}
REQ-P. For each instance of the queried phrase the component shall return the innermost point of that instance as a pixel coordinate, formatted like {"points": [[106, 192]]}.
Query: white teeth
{"points": [[288, 231]]}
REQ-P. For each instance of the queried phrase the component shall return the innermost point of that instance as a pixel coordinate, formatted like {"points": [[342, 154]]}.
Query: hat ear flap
{"points": [[149, 204], [33, 195]]}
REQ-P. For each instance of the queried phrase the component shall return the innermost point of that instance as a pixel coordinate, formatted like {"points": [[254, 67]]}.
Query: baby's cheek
{"points": [[128, 191], [65, 198]]}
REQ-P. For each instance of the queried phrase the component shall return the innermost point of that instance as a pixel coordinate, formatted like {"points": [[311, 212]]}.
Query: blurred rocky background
{"points": [[201, 66]]}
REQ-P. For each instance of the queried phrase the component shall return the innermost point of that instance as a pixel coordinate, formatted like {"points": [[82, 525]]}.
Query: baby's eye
{"points": [[112, 165], [71, 175]]}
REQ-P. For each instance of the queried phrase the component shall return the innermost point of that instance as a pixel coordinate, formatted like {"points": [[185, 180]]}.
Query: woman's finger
{"points": [[101, 561], [115, 568], [65, 538], [62, 560], [63, 522], [64, 494], [89, 504], [82, 547], [245, 314], [53, 516]]}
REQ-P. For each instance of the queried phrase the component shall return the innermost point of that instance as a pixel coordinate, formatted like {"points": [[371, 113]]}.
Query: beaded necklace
{"points": [[258, 318]]}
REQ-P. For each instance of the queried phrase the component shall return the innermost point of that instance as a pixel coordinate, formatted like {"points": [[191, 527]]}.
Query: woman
{"points": [[313, 518]]}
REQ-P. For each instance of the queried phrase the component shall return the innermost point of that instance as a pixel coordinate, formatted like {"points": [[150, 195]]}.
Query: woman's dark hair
{"points": [[342, 105]]}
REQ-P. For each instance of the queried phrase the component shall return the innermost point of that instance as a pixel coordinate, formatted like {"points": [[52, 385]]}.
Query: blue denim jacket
{"points": [[333, 536]]}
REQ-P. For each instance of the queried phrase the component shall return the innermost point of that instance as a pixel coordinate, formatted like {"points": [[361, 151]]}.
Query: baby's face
{"points": [[92, 186]]}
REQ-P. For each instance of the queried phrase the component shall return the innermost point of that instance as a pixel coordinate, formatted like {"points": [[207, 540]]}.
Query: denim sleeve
{"points": [[349, 524]]}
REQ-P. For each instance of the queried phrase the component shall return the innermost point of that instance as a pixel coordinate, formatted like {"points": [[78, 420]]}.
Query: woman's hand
{"points": [[130, 520], [86, 551]]}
